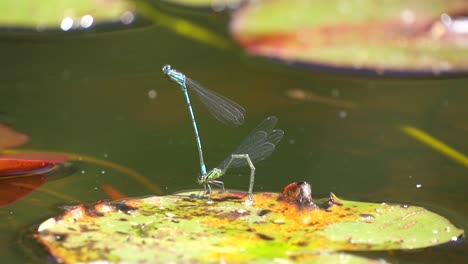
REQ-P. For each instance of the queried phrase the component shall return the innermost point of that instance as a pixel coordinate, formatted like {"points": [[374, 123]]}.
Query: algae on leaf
{"points": [[186, 228]]}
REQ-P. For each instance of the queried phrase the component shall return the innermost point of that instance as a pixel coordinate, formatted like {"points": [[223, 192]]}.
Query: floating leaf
{"points": [[10, 137], [13, 189], [399, 35], [184, 228], [50, 157], [63, 14], [80, 157], [10, 166], [20, 177]]}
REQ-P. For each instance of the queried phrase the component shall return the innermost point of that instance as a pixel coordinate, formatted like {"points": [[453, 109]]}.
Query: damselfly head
{"points": [[167, 68], [201, 179]]}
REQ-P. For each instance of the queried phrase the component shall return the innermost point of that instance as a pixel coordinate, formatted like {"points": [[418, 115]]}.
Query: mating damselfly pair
{"points": [[258, 146]]}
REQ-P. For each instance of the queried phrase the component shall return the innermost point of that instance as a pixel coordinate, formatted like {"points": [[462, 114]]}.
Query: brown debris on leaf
{"points": [[299, 193], [334, 200]]}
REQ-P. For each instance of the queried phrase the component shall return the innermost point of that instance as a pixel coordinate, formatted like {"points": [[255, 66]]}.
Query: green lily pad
{"points": [[63, 14], [185, 228], [397, 36]]}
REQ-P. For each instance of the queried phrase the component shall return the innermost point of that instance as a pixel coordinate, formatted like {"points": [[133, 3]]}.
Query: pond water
{"points": [[103, 94]]}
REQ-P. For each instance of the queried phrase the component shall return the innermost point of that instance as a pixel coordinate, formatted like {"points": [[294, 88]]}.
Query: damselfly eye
{"points": [[166, 68]]}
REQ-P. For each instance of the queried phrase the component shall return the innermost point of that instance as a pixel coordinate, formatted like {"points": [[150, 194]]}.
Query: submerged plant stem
{"points": [[435, 144]]}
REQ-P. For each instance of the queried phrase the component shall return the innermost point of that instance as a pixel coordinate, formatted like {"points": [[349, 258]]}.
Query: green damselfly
{"points": [[258, 146]]}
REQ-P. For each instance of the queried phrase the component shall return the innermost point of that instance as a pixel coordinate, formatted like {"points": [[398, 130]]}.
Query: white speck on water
{"points": [[83, 172], [418, 185], [103, 172], [152, 94], [106, 155], [342, 114]]}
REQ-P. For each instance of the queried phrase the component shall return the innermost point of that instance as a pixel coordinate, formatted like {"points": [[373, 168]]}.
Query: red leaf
{"points": [[10, 166], [55, 158], [10, 137], [13, 189]]}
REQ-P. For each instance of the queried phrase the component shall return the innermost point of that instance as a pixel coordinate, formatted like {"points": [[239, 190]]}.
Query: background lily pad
{"points": [[63, 14], [401, 36], [184, 228]]}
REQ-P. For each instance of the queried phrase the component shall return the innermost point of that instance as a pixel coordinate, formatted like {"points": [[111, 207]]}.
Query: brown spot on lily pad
{"points": [[264, 212], [233, 215], [265, 237]]}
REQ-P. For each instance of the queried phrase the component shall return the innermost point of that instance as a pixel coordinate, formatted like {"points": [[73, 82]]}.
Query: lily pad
{"points": [[23, 174], [397, 36], [9, 166], [186, 228], [63, 14]]}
